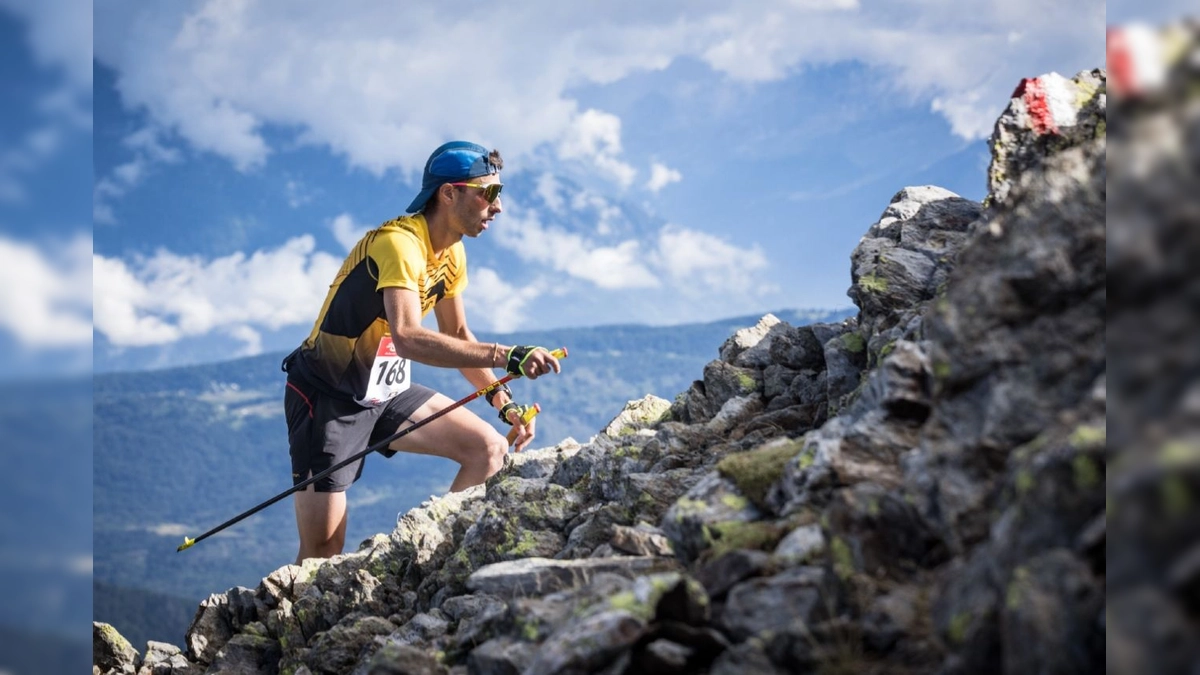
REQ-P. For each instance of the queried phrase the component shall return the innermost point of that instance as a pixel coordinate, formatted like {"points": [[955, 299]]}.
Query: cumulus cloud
{"points": [[346, 231], [596, 136], [699, 261], [674, 259], [347, 80], [166, 297], [59, 33], [147, 150], [44, 298], [548, 190], [620, 265], [495, 304], [661, 176]]}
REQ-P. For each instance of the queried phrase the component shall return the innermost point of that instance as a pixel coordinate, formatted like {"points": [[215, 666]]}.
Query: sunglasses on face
{"points": [[490, 190]]}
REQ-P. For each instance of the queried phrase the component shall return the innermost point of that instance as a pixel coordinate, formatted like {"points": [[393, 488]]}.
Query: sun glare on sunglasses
{"points": [[490, 190]]}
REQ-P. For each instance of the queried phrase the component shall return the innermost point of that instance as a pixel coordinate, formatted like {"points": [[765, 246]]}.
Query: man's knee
{"points": [[497, 449]]}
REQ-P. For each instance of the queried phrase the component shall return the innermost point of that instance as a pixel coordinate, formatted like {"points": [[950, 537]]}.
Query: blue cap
{"points": [[452, 162]]}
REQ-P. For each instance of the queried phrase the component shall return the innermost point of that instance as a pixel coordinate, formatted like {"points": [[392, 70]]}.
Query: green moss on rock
{"points": [[956, 630], [873, 283], [853, 342], [756, 471], [736, 535], [843, 559], [1088, 436], [1087, 473]]}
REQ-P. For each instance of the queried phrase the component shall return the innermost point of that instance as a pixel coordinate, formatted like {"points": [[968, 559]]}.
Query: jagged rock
{"points": [[1148, 632], [543, 462], [802, 545], [210, 629], [747, 338], [845, 360], [166, 659], [711, 509], [1045, 115], [641, 541], [891, 616], [501, 656], [111, 652], [1051, 601], [875, 530], [403, 660], [798, 595], [422, 628], [902, 261], [246, 653], [663, 656], [722, 381], [734, 412], [725, 571], [638, 414], [746, 657], [588, 644], [530, 576]]}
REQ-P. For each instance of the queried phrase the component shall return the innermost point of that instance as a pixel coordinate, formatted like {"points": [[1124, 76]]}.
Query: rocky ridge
{"points": [[917, 489]]}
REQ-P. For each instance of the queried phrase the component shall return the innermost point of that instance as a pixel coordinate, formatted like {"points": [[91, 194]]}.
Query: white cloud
{"points": [[148, 151], [661, 176], [60, 36], [674, 259], [697, 261], [44, 298], [165, 297], [346, 231], [35, 148], [350, 80], [616, 266], [297, 194], [500, 305], [595, 136], [548, 190]]}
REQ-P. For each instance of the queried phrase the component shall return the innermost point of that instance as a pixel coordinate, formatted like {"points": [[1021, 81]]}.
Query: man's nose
{"points": [[496, 206]]}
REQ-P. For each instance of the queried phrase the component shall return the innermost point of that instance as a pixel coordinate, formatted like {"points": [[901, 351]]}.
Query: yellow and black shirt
{"points": [[337, 356]]}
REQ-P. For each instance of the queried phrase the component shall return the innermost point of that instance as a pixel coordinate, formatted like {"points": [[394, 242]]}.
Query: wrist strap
{"points": [[491, 395], [505, 410]]}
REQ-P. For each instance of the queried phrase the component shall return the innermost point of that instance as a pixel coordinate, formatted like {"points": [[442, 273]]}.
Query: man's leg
{"points": [[459, 435], [321, 520]]}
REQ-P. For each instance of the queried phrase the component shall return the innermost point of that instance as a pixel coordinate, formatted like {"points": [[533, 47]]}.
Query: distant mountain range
{"points": [[179, 451]]}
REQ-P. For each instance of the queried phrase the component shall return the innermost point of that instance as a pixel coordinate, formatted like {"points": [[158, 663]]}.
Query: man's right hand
{"points": [[531, 362]]}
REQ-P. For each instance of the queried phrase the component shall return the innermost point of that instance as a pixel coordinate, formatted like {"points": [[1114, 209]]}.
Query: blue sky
{"points": [[673, 163]]}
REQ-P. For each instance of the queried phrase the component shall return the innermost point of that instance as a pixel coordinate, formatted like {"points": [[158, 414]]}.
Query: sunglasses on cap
{"points": [[490, 190]]}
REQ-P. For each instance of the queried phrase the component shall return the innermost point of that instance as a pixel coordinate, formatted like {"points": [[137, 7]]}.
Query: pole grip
{"points": [[529, 413]]}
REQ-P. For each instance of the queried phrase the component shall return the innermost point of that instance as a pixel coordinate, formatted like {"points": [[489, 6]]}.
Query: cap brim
{"points": [[423, 196]]}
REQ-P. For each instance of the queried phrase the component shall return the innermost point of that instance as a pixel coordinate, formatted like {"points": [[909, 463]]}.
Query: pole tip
{"points": [[187, 543]]}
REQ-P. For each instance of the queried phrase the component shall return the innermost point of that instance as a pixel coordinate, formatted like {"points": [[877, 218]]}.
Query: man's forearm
{"points": [[447, 351]]}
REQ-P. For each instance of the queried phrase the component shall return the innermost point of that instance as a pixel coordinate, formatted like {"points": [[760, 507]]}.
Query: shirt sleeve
{"points": [[399, 260]]}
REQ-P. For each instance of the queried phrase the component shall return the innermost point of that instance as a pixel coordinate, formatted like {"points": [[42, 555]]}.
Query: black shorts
{"points": [[323, 430]]}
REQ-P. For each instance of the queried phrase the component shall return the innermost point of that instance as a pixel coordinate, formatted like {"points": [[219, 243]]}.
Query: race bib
{"points": [[389, 375]]}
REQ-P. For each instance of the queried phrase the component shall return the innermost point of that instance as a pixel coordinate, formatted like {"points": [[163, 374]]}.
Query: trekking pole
{"points": [[527, 414], [560, 353]]}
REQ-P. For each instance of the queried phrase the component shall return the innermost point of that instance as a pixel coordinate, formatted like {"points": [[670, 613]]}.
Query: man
{"points": [[348, 383]]}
